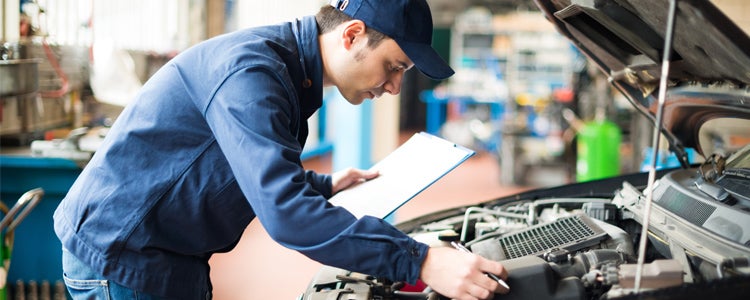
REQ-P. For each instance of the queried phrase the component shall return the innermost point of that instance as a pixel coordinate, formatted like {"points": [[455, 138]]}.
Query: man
{"points": [[213, 140]]}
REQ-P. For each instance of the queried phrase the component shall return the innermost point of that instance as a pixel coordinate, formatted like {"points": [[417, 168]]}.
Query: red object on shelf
{"points": [[563, 95]]}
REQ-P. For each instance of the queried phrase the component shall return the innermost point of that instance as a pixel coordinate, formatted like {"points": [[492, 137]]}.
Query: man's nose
{"points": [[393, 85]]}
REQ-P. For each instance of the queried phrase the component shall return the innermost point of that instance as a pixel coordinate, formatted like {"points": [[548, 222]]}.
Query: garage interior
{"points": [[520, 98]]}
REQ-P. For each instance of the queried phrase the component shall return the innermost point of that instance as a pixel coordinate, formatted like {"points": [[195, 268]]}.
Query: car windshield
{"points": [[740, 159], [725, 136], [733, 10]]}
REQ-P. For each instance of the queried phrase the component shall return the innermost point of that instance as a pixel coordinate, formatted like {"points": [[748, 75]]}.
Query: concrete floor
{"points": [[259, 268]]}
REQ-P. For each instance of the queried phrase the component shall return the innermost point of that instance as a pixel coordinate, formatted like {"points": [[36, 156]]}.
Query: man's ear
{"points": [[354, 32]]}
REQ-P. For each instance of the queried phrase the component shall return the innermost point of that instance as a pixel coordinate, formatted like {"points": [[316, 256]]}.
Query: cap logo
{"points": [[341, 5]]}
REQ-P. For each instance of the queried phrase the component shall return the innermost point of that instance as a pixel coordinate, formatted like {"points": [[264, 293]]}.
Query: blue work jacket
{"points": [[212, 141]]}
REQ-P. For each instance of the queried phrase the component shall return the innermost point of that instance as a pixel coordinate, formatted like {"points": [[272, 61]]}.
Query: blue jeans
{"points": [[84, 283]]}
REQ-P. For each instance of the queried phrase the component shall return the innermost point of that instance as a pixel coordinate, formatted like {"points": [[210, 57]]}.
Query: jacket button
{"points": [[414, 252]]}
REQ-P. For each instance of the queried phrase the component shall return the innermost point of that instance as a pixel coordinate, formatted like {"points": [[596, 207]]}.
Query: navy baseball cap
{"points": [[408, 22]]}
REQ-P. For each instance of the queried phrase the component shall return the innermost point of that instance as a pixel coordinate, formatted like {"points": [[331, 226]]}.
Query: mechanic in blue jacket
{"points": [[213, 140]]}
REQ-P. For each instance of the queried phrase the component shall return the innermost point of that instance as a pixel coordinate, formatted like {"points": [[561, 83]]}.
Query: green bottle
{"points": [[598, 153]]}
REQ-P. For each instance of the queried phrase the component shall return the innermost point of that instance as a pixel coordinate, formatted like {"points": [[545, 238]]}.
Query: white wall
{"points": [[9, 21], [249, 13], [160, 26]]}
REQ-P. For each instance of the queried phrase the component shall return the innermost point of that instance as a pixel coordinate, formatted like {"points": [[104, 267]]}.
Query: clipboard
{"points": [[404, 173]]}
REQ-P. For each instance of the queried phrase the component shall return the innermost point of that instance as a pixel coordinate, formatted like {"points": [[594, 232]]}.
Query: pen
{"points": [[493, 276]]}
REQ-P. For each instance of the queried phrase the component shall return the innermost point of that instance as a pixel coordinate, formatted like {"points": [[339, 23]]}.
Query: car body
{"points": [[585, 240]]}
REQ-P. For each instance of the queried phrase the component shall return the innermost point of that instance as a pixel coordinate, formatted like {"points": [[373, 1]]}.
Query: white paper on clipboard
{"points": [[404, 173]]}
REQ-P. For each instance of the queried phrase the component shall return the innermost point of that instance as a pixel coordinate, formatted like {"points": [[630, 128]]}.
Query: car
{"points": [[666, 233]]}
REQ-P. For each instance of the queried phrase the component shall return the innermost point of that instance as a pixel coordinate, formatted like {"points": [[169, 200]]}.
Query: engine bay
{"points": [[585, 247]]}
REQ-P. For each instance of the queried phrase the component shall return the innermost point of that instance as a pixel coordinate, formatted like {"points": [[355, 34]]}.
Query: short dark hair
{"points": [[328, 17]]}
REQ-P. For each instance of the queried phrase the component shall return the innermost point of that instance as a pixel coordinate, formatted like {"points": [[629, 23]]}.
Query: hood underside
{"points": [[625, 38]]}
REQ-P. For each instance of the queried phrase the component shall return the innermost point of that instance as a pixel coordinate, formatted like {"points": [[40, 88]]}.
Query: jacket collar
{"points": [[306, 33]]}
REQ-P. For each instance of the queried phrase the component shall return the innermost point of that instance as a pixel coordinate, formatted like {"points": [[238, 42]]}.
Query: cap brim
{"points": [[427, 60]]}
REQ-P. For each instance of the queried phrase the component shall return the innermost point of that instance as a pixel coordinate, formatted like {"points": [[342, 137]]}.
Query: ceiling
{"points": [[502, 6], [445, 11]]}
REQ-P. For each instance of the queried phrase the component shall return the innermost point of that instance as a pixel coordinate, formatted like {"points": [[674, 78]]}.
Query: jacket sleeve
{"points": [[253, 115], [321, 183]]}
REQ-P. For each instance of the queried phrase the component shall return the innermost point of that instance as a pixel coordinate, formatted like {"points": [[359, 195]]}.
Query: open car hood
{"points": [[709, 69]]}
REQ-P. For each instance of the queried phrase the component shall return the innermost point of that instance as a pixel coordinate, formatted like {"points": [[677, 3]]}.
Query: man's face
{"points": [[368, 73]]}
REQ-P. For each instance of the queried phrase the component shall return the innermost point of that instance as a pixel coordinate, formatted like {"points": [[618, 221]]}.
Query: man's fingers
{"points": [[480, 292], [371, 174], [497, 269], [346, 178]]}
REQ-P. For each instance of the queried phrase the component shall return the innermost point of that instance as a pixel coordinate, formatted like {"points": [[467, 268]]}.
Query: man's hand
{"points": [[348, 177], [459, 275]]}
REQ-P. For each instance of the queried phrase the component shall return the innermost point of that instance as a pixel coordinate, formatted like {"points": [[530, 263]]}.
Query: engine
{"points": [[587, 248]]}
